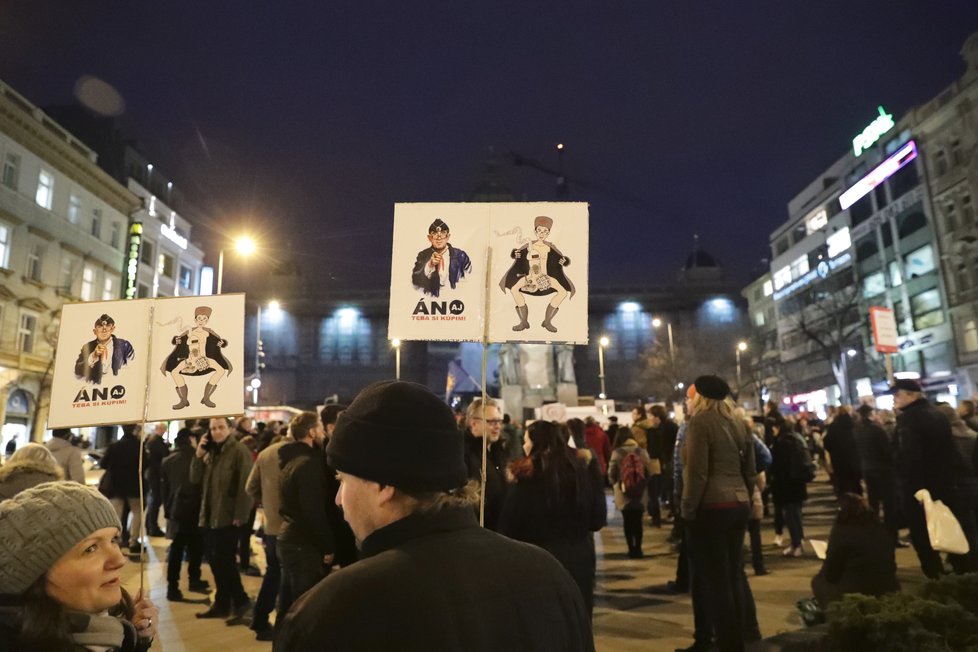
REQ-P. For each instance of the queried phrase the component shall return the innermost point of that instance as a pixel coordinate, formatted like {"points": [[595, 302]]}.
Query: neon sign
{"points": [[132, 258], [822, 270], [171, 234], [880, 173], [882, 124]]}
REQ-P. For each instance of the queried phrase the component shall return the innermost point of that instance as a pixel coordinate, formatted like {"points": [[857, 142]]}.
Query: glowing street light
{"points": [[741, 347], [602, 343], [656, 323], [245, 246]]}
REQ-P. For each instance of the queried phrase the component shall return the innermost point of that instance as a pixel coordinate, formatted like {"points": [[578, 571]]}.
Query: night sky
{"points": [[308, 123]]}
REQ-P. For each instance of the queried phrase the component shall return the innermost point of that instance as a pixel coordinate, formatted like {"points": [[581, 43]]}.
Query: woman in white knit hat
{"points": [[60, 575]]}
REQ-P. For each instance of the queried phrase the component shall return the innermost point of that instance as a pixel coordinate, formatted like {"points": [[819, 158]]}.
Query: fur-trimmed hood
{"points": [[24, 474]]}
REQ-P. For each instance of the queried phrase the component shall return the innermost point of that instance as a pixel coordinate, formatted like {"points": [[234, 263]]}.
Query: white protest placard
{"points": [[198, 358], [532, 256], [100, 363], [540, 272], [438, 271], [110, 352]]}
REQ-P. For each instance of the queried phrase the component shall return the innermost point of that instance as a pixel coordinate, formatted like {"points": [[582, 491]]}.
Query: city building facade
{"points": [[62, 234]]}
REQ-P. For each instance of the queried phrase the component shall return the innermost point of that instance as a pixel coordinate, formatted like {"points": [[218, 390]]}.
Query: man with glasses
{"points": [[103, 353], [440, 263], [497, 457]]}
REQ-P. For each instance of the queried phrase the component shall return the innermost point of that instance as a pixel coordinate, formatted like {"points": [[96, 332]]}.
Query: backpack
{"points": [[803, 467], [634, 476]]}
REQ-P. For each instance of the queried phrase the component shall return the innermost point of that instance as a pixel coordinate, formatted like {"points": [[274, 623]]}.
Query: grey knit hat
{"points": [[40, 524]]}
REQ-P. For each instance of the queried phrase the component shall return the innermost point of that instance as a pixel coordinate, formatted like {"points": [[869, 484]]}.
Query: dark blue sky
{"points": [[311, 122]]}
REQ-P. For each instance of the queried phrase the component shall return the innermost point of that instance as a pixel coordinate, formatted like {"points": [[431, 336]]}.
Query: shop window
{"points": [[873, 285], [926, 308], [919, 261]]}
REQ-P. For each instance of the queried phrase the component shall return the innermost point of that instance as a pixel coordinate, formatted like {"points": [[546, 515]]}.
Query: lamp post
{"points": [[656, 322], [397, 358], [244, 246], [603, 342], [741, 347]]}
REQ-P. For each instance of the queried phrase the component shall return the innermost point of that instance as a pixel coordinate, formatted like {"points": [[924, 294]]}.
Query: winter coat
{"points": [[597, 440], [223, 473], [156, 451], [662, 441], [24, 474], [78, 623], [496, 461], [718, 467], [121, 462], [926, 453], [840, 443], [614, 475], [69, 457], [263, 485], [181, 497], [437, 583], [861, 559], [303, 496], [788, 481], [874, 448]]}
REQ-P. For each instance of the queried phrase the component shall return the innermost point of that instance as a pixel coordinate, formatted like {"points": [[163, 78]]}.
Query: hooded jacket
{"points": [[69, 457], [24, 474]]}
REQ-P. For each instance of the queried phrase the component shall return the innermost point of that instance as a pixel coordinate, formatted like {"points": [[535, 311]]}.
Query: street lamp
{"points": [[245, 246], [741, 347], [603, 342], [656, 322], [397, 358], [273, 307]]}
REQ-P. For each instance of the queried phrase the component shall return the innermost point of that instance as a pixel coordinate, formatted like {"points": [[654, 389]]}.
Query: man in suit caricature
{"points": [[103, 354], [440, 263]]}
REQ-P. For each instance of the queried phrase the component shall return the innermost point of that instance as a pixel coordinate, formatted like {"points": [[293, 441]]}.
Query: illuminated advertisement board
{"points": [[880, 173], [132, 258]]}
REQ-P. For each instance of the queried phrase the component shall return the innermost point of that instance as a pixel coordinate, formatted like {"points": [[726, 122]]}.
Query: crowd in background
{"points": [[710, 471]]}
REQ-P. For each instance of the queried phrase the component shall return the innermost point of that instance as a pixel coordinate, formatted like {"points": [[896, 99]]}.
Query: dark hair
{"points": [[659, 412], [576, 428], [182, 440], [330, 412], [855, 510], [302, 423], [865, 411], [44, 623], [641, 412], [621, 436], [553, 463], [61, 433]]}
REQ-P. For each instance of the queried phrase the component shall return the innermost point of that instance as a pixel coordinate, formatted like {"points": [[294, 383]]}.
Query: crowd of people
{"points": [[455, 523]]}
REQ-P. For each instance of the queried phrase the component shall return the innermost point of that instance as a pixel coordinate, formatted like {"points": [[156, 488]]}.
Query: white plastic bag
{"points": [[943, 529]]}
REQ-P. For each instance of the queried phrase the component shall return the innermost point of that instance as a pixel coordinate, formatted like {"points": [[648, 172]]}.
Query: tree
{"points": [[828, 317]]}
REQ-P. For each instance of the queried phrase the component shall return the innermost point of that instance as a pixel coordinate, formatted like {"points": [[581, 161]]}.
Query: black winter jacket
{"points": [[304, 493], [926, 453], [121, 462], [495, 474], [440, 583]]}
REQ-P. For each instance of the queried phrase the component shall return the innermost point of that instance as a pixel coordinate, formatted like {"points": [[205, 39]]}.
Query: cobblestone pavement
{"points": [[630, 613]]}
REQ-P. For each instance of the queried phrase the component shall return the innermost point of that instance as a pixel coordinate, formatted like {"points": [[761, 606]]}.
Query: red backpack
{"points": [[634, 476]]}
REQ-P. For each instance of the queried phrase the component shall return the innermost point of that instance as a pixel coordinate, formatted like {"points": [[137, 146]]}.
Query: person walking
{"points": [[628, 471], [790, 466], [68, 456], [121, 464], [718, 481]]}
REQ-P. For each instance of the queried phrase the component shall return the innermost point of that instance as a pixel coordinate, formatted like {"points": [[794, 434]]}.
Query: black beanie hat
{"points": [[712, 387], [399, 434]]}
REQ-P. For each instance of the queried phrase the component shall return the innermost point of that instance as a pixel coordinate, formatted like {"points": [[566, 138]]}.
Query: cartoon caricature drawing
{"points": [[439, 263], [197, 352], [106, 352], [538, 270]]}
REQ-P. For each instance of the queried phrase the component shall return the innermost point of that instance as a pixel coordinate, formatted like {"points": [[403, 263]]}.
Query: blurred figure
{"points": [[631, 502], [597, 440], [876, 464], [790, 462], [68, 456], [843, 458], [157, 449], [664, 442], [966, 410], [121, 464], [30, 465], [495, 481], [512, 439], [861, 557], [181, 507], [965, 505], [555, 503]]}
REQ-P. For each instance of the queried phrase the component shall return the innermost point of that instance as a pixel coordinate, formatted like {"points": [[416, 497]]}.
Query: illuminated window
{"points": [[920, 261], [839, 242], [186, 277], [799, 267], [45, 189], [926, 308], [346, 337], [115, 236], [969, 335], [166, 265], [759, 319], [25, 332], [874, 284], [88, 283], [4, 245], [896, 277], [782, 277], [74, 208], [768, 288], [816, 221], [108, 288]]}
